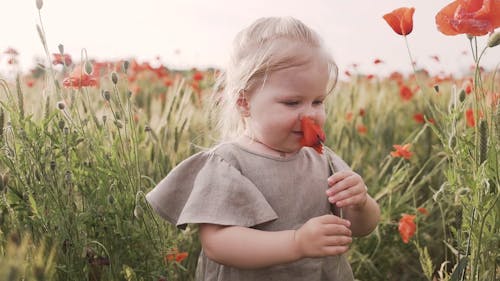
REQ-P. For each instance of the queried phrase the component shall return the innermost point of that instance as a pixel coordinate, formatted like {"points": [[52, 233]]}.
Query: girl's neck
{"points": [[254, 144]]}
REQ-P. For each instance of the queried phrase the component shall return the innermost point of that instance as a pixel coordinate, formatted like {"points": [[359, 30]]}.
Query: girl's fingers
{"points": [[348, 196], [338, 176]]}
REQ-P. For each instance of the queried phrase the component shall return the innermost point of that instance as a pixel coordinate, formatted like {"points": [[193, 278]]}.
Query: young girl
{"points": [[267, 207]]}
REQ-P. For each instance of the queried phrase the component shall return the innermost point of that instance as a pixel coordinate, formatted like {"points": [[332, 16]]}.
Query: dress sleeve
{"points": [[207, 189]]}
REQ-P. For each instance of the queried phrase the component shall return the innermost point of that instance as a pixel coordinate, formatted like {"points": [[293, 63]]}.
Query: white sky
{"points": [[354, 31]]}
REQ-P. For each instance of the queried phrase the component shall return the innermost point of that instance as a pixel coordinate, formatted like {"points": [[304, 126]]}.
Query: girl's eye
{"points": [[318, 102], [290, 103]]}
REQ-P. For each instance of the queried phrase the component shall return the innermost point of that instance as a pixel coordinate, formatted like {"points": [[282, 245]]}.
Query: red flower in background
{"points": [[175, 255], [469, 116], [362, 129], [402, 151], [78, 81], [313, 135], [405, 92], [407, 227], [473, 17], [61, 59], [419, 118], [401, 20]]}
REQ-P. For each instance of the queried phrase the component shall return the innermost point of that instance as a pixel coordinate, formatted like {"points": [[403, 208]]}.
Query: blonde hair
{"points": [[256, 54]]}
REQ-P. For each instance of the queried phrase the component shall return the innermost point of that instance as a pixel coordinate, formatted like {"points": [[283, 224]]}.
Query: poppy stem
{"points": [[332, 168]]}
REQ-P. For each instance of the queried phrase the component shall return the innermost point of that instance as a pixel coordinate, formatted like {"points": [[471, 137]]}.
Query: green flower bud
{"points": [[138, 211], [494, 40], [88, 67]]}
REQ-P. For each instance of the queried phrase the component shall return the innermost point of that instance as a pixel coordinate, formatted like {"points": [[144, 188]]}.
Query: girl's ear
{"points": [[243, 105]]}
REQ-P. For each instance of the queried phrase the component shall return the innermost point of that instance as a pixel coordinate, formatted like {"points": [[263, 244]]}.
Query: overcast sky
{"points": [[199, 33]]}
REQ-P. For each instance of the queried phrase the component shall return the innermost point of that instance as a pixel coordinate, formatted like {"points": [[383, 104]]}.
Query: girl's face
{"points": [[274, 109]]}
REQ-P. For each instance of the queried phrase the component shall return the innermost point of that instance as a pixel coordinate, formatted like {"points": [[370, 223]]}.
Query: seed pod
{"points": [[61, 105]]}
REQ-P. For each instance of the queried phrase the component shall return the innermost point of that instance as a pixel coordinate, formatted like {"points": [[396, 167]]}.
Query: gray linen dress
{"points": [[230, 185]]}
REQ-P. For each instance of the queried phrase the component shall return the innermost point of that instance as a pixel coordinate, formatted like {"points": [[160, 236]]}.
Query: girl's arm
{"points": [[249, 248], [364, 218]]}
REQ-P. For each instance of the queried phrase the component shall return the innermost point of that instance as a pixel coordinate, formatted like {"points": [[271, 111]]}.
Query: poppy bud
{"points": [[52, 165], [494, 40], [67, 177], [436, 88], [461, 97], [118, 124], [39, 4], [61, 48], [114, 77], [106, 95], [138, 211], [126, 64], [61, 124], [111, 199], [88, 67]]}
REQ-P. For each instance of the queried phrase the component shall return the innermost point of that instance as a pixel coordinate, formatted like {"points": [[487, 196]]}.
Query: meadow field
{"points": [[82, 141]]}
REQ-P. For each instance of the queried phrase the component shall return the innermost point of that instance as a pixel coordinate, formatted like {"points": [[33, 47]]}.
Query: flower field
{"points": [[82, 141]]}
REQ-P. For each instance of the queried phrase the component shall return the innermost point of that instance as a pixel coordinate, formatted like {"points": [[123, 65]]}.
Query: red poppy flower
{"points": [[401, 20], [423, 211], [419, 118], [405, 93], [61, 59], [175, 255], [11, 51], [313, 135], [377, 61], [407, 227], [402, 151], [469, 116], [197, 76], [362, 129], [78, 81], [474, 17]]}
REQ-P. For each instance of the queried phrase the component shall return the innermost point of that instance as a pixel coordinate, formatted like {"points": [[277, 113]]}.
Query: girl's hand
{"points": [[327, 235], [347, 189]]}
